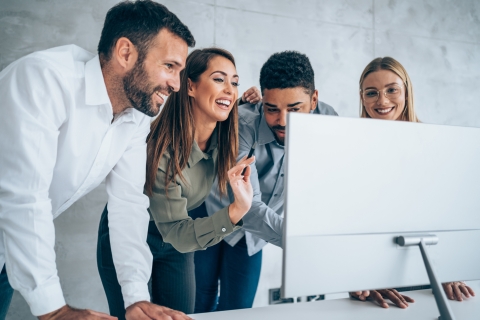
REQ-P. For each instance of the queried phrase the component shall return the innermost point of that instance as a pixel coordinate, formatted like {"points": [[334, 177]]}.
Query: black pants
{"points": [[6, 293], [172, 283]]}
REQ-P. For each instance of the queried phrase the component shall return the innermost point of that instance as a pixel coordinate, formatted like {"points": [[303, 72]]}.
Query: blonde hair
{"points": [[388, 63]]}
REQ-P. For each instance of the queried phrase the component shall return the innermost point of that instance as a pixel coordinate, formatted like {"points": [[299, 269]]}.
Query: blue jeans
{"points": [[172, 283], [237, 272], [6, 293]]}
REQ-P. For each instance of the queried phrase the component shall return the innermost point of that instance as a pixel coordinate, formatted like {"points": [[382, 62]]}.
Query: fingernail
{"points": [[385, 305]]}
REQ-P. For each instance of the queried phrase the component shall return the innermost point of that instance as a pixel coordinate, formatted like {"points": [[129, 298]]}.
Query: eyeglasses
{"points": [[391, 92]]}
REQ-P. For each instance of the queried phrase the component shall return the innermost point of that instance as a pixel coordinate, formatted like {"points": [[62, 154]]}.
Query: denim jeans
{"points": [[237, 272], [172, 283], [6, 293]]}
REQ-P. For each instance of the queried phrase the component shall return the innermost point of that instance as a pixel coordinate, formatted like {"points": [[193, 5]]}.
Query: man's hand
{"points": [[68, 313], [454, 290], [144, 310], [379, 296], [252, 95]]}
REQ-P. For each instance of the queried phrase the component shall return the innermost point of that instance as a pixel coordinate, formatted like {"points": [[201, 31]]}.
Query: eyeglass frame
{"points": [[378, 92]]}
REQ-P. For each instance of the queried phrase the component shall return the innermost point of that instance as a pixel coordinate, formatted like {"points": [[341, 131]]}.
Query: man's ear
{"points": [[191, 88], [314, 100], [125, 54]]}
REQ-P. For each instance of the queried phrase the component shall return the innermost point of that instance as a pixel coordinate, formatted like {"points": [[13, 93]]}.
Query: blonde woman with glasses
{"points": [[386, 92]]}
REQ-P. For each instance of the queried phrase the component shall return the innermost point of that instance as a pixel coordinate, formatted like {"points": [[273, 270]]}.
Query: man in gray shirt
{"points": [[287, 85]]}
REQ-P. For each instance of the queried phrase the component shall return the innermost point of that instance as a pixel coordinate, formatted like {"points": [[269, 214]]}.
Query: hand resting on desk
{"points": [[379, 296], [68, 313], [144, 310], [456, 290], [453, 290]]}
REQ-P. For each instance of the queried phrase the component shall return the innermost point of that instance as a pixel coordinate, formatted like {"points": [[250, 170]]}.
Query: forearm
{"points": [[264, 223], [128, 219], [30, 256], [190, 235], [130, 252]]}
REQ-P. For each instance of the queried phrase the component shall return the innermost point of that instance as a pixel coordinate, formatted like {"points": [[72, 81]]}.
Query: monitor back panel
{"points": [[354, 185]]}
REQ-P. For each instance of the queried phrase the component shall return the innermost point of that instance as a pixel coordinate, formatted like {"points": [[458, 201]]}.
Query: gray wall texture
{"points": [[438, 42]]}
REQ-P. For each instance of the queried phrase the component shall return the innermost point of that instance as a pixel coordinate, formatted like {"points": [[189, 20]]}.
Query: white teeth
{"points": [[163, 96], [224, 102], [384, 110]]}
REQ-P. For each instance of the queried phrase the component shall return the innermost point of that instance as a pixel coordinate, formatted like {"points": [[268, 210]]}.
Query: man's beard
{"points": [[279, 141], [139, 91]]}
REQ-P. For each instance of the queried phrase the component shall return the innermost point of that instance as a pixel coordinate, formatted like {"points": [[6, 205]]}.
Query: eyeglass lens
{"points": [[391, 92]]}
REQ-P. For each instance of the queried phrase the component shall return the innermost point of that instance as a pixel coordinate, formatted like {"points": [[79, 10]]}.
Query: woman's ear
{"points": [[191, 88]]}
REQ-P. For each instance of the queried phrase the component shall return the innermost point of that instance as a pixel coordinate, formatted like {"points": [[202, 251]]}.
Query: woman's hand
{"points": [[252, 95], [454, 290], [379, 296], [242, 189]]}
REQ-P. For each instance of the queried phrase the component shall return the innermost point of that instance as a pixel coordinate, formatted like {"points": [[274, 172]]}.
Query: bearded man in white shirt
{"points": [[70, 120]]}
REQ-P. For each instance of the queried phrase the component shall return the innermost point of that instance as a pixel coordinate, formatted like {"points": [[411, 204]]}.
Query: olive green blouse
{"points": [[171, 212]]}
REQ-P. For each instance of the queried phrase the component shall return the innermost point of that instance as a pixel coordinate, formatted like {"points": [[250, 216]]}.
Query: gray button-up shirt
{"points": [[264, 221]]}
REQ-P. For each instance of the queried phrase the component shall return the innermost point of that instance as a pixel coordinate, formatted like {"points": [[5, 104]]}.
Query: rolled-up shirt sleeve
{"points": [[128, 219], [169, 210], [32, 108]]}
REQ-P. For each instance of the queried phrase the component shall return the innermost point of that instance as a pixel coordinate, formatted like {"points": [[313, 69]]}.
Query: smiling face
{"points": [[215, 92], [151, 81], [278, 102], [389, 106]]}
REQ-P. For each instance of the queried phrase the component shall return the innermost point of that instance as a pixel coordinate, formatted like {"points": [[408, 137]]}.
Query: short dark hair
{"points": [[140, 22], [287, 69]]}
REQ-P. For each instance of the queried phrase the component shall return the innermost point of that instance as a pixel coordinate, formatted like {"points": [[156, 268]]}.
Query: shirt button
{"points": [[275, 195], [223, 229], [281, 175]]}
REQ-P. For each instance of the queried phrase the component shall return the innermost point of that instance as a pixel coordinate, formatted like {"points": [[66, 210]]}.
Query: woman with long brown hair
{"points": [[193, 141], [386, 92]]}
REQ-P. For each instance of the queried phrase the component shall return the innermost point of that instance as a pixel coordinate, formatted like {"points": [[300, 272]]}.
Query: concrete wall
{"points": [[438, 41]]}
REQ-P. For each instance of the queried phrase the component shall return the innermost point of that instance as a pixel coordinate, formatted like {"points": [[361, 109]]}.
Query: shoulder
{"points": [[249, 116], [56, 64], [248, 113], [323, 108]]}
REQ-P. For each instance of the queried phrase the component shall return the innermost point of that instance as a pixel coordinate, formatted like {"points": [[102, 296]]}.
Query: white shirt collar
{"points": [[95, 89]]}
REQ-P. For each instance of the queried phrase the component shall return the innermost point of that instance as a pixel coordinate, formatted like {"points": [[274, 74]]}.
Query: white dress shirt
{"points": [[57, 143]]}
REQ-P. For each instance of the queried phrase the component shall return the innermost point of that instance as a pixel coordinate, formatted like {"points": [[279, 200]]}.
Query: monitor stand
{"points": [[422, 241]]}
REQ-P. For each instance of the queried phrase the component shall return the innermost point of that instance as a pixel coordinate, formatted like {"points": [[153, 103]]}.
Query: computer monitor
{"points": [[353, 186]]}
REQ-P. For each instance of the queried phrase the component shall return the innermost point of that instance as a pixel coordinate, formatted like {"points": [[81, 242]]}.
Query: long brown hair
{"points": [[174, 129], [388, 63]]}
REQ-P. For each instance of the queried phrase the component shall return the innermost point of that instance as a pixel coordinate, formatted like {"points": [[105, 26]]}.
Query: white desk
{"points": [[423, 308]]}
